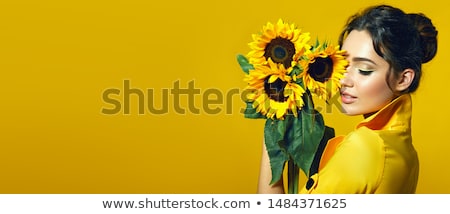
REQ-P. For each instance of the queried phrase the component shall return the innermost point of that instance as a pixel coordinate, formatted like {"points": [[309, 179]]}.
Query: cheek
{"points": [[373, 87], [376, 92]]}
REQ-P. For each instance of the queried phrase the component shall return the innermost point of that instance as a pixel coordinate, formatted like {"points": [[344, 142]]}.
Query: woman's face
{"points": [[364, 87]]}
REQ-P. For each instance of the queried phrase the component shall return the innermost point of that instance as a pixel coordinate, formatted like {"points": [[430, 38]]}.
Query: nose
{"points": [[346, 81]]}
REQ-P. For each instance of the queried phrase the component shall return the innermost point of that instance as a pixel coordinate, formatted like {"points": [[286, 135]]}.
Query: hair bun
{"points": [[428, 35]]}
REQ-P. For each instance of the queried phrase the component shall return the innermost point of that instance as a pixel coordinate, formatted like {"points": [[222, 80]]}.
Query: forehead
{"points": [[359, 44]]}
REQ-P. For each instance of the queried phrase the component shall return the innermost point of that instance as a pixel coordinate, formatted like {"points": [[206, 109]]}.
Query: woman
{"points": [[385, 49]]}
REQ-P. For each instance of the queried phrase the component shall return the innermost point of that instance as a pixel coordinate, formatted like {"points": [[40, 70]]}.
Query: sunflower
{"points": [[324, 67], [283, 43], [274, 92]]}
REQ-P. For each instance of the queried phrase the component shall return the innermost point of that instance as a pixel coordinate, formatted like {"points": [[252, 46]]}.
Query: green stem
{"points": [[293, 177], [309, 101]]}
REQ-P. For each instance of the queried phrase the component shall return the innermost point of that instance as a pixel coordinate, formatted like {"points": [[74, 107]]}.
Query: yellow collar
{"points": [[395, 115]]}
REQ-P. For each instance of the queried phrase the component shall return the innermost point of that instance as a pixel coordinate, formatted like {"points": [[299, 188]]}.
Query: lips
{"points": [[347, 98]]}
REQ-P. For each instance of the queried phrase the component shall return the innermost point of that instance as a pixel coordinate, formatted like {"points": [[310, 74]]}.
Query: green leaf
{"points": [[305, 137], [295, 140], [250, 112], [273, 137], [243, 62], [296, 70]]}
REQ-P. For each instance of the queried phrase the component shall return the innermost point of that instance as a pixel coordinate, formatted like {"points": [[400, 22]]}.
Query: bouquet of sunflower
{"points": [[283, 72]]}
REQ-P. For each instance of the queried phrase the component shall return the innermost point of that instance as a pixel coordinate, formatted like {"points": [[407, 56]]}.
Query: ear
{"points": [[405, 79]]}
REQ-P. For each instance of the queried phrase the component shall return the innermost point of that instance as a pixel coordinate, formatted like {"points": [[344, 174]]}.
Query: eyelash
{"points": [[364, 72]]}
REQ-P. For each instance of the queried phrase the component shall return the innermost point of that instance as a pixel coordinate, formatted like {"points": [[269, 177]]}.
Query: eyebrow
{"points": [[363, 59]]}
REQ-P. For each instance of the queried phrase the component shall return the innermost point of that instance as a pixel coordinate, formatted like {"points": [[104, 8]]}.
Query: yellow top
{"points": [[377, 157]]}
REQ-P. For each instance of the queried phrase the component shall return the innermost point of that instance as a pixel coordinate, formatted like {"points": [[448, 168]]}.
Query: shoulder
{"points": [[361, 155], [355, 166], [364, 143]]}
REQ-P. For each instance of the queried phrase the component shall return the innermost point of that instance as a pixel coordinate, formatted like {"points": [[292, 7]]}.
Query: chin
{"points": [[349, 111], [351, 114]]}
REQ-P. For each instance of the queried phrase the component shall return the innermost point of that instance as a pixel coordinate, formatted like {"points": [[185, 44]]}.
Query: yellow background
{"points": [[58, 57]]}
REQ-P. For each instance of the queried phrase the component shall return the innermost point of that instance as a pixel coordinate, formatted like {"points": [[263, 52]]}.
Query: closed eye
{"points": [[365, 72]]}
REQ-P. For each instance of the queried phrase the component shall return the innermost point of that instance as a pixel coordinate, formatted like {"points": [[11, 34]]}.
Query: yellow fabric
{"points": [[377, 157]]}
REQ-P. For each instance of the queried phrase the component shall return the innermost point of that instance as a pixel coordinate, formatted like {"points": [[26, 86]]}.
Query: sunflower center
{"points": [[280, 50], [321, 69], [275, 90]]}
